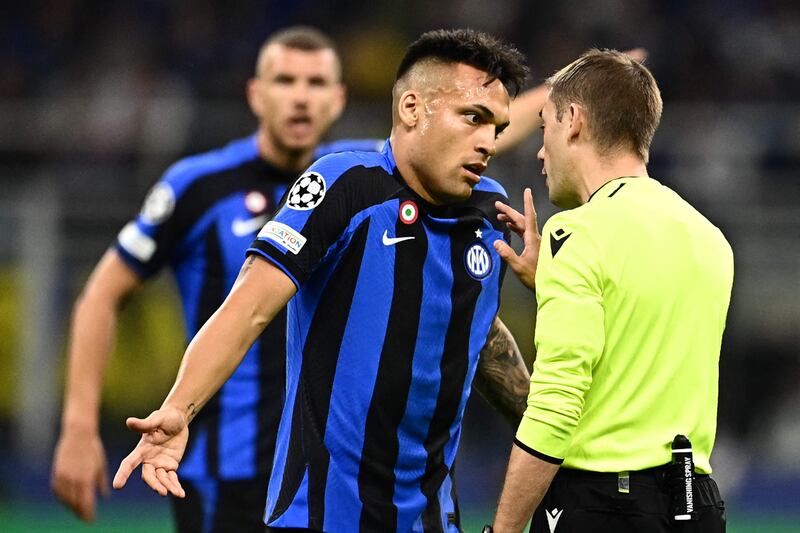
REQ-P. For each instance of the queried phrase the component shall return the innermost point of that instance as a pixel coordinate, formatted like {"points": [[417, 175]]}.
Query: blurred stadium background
{"points": [[98, 97]]}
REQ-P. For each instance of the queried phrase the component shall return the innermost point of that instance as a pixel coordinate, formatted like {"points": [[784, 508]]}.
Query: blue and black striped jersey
{"points": [[395, 300], [199, 219]]}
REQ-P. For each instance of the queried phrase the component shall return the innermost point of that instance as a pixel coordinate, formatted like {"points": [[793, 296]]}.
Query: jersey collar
{"points": [[606, 183]]}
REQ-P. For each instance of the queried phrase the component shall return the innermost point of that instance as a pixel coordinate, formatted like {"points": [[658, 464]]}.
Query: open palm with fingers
{"points": [[525, 225], [163, 442]]}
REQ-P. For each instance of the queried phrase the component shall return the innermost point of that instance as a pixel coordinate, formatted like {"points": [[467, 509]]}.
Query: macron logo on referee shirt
{"points": [[557, 240], [552, 518]]}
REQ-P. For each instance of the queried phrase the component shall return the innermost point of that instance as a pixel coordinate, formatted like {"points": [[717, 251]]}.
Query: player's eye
{"points": [[473, 118]]}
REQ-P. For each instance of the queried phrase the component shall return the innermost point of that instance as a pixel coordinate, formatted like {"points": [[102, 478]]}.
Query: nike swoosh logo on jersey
{"points": [[552, 518], [242, 228], [389, 241]]}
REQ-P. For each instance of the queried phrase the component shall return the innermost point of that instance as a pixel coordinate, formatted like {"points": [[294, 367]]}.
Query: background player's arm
{"points": [[259, 294], [502, 377], [523, 112], [79, 463]]}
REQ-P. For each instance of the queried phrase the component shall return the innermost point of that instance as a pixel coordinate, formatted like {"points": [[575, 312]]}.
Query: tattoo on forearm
{"points": [[249, 263], [502, 377], [191, 411]]}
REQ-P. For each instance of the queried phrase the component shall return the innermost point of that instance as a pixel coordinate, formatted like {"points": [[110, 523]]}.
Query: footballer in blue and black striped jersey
{"points": [[199, 219], [395, 299]]}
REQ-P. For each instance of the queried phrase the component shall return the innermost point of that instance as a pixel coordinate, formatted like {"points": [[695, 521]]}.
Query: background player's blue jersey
{"points": [[396, 297], [199, 219]]}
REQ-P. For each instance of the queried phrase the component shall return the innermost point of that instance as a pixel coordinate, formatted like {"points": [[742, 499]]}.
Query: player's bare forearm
{"points": [[261, 291], [502, 377], [92, 331], [79, 465], [91, 339]]}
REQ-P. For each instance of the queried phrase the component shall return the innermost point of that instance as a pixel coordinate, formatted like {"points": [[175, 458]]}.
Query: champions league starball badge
{"points": [[159, 204], [478, 260], [307, 192]]}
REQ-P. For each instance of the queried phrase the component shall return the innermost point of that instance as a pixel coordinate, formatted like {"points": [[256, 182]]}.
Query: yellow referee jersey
{"points": [[632, 290]]}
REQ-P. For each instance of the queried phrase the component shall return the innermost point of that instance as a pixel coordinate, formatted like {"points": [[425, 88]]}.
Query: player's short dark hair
{"points": [[476, 49], [302, 38], [305, 38], [620, 95]]}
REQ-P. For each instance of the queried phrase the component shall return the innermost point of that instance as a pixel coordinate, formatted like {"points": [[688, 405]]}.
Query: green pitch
{"points": [[113, 518]]}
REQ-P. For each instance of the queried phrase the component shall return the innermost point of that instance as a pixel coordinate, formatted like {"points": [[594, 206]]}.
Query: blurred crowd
{"points": [[714, 50], [110, 70]]}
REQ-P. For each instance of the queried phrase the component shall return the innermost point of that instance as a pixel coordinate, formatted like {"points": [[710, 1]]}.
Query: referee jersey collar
{"points": [[615, 180]]}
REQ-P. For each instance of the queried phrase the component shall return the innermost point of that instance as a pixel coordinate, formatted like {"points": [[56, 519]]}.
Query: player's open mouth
{"points": [[476, 169], [299, 123]]}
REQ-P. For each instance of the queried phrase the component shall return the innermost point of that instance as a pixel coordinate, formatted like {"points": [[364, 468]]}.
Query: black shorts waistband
{"points": [[654, 473]]}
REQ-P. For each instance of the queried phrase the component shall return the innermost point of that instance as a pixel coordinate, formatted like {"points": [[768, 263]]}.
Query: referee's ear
{"points": [[576, 116]]}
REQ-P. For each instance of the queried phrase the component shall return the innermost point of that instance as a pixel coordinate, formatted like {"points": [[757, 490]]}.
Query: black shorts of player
{"points": [[221, 506], [580, 501]]}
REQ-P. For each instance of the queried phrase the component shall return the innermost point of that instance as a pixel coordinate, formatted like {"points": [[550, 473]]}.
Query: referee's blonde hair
{"points": [[619, 94]]}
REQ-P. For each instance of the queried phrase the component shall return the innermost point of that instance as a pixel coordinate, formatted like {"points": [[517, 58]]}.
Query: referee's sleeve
{"points": [[570, 336]]}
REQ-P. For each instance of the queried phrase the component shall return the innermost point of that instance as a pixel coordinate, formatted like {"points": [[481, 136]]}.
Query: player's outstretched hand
{"points": [[164, 436], [524, 264], [79, 471]]}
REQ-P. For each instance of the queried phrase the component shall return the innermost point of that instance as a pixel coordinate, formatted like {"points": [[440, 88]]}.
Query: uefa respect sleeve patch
{"points": [[136, 243], [284, 235]]}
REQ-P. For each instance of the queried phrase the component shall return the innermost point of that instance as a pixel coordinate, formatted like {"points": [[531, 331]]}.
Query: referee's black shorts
{"points": [[580, 501]]}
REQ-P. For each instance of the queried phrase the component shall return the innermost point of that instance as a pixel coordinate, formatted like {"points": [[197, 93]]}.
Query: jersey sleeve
{"points": [[569, 338], [149, 241], [314, 215]]}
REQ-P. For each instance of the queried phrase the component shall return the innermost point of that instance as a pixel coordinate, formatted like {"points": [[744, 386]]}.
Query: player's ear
{"points": [[408, 108], [340, 100], [255, 103]]}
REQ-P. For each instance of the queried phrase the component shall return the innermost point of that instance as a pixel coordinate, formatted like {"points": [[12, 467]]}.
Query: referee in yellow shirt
{"points": [[632, 286]]}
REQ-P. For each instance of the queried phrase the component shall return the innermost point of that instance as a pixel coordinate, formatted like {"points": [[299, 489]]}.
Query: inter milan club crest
{"points": [[307, 192], [478, 260], [408, 212]]}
